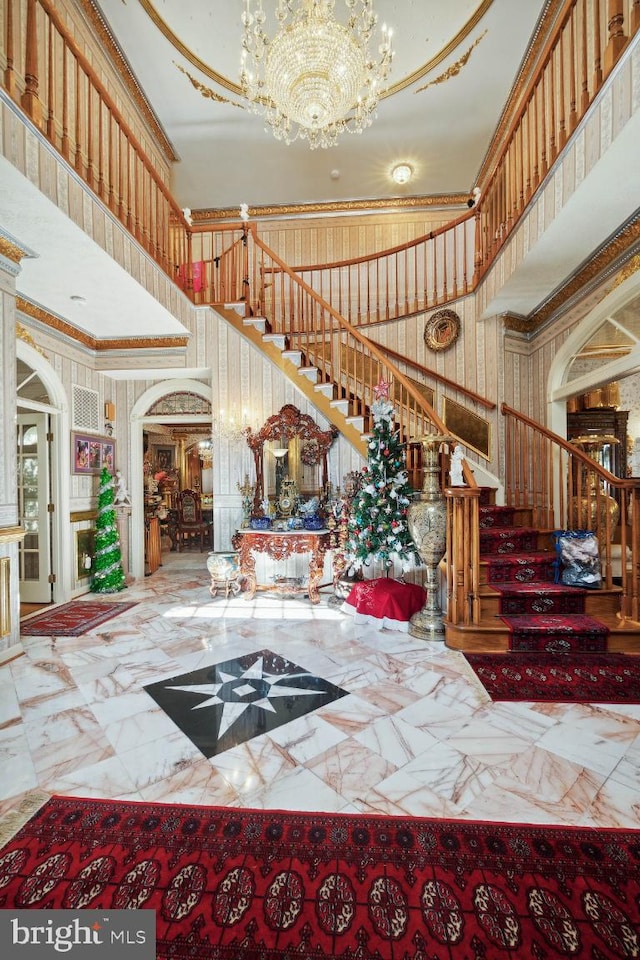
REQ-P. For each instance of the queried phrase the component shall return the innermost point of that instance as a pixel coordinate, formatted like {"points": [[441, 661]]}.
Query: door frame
{"points": [[58, 409], [138, 420]]}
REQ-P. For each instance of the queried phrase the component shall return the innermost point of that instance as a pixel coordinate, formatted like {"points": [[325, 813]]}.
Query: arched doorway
{"points": [[603, 349], [153, 408], [42, 447]]}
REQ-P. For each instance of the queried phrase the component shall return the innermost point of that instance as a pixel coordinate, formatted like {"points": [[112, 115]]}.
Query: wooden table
{"points": [[280, 545]]}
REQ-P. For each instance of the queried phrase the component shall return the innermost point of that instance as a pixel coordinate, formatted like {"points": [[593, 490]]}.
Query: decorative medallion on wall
{"points": [[441, 330]]}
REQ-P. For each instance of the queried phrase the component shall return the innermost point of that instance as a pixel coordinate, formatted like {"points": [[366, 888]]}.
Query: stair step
{"points": [[494, 637], [326, 389], [295, 356], [278, 339], [357, 422], [311, 373], [238, 308], [571, 633], [497, 599], [342, 406], [259, 323]]}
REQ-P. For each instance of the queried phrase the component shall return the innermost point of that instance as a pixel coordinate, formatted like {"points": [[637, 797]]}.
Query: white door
{"points": [[34, 554]]}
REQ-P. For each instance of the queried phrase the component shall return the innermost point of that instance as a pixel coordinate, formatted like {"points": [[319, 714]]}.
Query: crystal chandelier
{"points": [[316, 78]]}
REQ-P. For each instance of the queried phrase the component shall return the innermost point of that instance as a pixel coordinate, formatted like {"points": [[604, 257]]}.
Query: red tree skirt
{"points": [[241, 885]]}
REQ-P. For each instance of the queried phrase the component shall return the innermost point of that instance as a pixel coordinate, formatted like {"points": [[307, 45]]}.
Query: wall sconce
{"points": [[109, 411]]}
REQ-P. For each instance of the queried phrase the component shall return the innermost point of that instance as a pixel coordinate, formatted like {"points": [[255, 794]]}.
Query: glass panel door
{"points": [[33, 498]]}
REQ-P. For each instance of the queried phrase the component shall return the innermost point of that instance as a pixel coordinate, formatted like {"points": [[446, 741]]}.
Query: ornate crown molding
{"points": [[334, 207], [12, 250], [114, 53], [23, 334], [235, 88], [91, 343], [583, 280]]}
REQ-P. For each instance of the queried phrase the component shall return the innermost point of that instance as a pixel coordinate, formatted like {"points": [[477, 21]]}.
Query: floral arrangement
{"points": [[310, 453]]}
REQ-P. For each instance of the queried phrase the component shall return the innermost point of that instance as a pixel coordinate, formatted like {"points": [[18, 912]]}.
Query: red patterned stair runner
{"points": [[541, 615]]}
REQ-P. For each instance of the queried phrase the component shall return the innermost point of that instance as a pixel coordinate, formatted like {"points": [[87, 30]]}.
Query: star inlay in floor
{"points": [[228, 703]]}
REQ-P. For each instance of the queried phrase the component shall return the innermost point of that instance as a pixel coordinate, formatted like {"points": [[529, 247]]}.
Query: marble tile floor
{"points": [[410, 733]]}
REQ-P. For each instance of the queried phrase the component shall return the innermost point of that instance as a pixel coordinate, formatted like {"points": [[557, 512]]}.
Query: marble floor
{"points": [[378, 721]]}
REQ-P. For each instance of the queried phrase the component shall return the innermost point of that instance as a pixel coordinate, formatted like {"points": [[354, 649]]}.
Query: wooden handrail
{"points": [[568, 489], [367, 258], [579, 41], [440, 377]]}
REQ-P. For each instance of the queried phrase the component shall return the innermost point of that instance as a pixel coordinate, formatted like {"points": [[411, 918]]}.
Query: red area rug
{"points": [[231, 884], [583, 678], [72, 619]]}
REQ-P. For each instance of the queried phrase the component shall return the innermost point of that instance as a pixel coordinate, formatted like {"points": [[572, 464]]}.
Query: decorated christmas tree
{"points": [[378, 522], [108, 575]]}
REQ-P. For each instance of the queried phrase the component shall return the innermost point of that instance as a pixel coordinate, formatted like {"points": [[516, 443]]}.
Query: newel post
{"points": [[30, 99]]}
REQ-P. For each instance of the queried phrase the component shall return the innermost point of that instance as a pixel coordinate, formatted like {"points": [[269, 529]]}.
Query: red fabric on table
{"points": [[385, 602]]}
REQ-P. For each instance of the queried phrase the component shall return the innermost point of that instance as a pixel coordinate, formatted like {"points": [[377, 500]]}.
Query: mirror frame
{"points": [[285, 426]]}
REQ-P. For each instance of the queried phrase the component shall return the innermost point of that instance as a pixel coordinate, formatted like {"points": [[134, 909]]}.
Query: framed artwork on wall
{"points": [[89, 453], [468, 427], [85, 540], [164, 458]]}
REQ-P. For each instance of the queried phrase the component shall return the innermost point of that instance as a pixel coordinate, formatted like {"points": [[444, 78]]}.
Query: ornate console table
{"points": [[280, 545]]}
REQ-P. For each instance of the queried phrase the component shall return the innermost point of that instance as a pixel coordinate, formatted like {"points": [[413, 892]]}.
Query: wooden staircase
{"points": [[473, 614], [492, 635], [324, 396]]}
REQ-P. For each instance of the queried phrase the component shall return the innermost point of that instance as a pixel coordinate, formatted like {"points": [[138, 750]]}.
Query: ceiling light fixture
{"points": [[316, 78], [402, 173]]}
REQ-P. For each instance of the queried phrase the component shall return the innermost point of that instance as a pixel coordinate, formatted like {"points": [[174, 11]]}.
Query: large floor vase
{"points": [[427, 521]]}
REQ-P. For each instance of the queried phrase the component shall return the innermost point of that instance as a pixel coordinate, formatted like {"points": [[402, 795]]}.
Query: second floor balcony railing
{"points": [[46, 71]]}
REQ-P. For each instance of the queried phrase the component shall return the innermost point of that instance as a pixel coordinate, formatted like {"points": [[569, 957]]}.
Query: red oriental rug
{"points": [[72, 619], [583, 678], [231, 884]]}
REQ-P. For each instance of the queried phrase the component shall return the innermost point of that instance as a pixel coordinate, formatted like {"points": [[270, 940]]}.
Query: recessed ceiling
{"points": [[453, 69]]}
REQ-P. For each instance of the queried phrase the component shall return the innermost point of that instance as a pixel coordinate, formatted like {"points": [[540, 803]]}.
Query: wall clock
{"points": [[441, 330]]}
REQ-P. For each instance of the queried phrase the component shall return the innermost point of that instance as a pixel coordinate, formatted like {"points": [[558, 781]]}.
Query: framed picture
{"points": [[468, 427], [85, 540], [89, 453], [163, 458]]}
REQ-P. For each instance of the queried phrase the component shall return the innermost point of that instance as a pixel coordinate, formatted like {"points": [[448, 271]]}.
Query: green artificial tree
{"points": [[108, 575], [378, 518]]}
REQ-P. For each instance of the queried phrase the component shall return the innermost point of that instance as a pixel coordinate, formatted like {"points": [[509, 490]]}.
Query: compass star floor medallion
{"points": [[228, 703]]}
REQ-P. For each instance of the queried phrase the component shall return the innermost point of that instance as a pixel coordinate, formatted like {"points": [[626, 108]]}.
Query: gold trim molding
{"points": [[5, 596], [23, 334], [628, 237], [342, 206], [78, 516], [11, 250], [235, 88], [12, 534], [455, 68], [79, 336]]}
